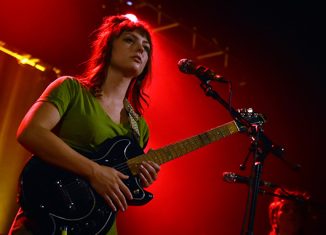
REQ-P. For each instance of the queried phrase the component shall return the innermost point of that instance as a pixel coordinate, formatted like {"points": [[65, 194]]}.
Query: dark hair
{"points": [[96, 67], [299, 199]]}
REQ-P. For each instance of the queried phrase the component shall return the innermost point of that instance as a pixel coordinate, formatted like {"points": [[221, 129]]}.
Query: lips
{"points": [[137, 58]]}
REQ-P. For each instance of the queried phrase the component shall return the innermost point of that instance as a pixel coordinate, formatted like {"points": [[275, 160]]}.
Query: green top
{"points": [[84, 124]]}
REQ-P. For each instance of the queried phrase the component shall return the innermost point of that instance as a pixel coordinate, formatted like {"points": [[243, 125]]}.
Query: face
{"points": [[290, 217], [130, 53]]}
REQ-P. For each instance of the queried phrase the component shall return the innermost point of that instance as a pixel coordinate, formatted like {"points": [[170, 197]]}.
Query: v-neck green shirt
{"points": [[84, 124]]}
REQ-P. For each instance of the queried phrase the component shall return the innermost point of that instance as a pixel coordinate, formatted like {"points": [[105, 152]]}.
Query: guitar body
{"points": [[57, 199]]}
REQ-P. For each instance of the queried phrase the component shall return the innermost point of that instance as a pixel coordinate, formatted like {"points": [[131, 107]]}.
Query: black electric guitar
{"points": [[59, 200]]}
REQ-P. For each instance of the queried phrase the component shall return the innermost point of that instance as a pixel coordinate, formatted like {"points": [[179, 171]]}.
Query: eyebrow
{"points": [[137, 37]]}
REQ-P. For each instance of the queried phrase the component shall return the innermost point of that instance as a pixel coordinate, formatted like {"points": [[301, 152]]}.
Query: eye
{"points": [[128, 39], [147, 48]]}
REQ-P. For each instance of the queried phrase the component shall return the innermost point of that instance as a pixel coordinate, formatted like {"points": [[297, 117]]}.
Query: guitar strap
{"points": [[133, 119]]}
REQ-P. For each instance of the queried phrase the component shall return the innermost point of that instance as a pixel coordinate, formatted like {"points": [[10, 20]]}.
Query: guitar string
{"points": [[124, 166], [170, 150]]}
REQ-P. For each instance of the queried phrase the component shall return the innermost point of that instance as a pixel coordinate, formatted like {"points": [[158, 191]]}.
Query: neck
{"points": [[115, 87]]}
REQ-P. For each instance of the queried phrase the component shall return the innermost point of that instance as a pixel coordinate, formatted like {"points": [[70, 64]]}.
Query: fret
{"points": [[186, 147], [204, 138], [214, 135], [155, 158], [195, 142], [173, 151], [159, 157], [223, 132], [178, 149]]}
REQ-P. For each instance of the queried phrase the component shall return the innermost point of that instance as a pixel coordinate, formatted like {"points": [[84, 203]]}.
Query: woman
{"points": [[81, 113]]}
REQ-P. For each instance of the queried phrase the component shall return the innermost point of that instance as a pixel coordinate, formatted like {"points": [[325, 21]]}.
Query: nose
{"points": [[139, 47]]}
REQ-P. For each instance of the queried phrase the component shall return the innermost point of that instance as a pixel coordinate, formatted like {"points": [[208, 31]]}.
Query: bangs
{"points": [[129, 26]]}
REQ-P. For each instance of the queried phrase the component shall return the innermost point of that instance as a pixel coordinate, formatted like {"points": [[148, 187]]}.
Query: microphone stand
{"points": [[260, 147]]}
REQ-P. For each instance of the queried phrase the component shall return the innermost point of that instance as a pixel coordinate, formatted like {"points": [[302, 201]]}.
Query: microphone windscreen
{"points": [[187, 66], [229, 177]]}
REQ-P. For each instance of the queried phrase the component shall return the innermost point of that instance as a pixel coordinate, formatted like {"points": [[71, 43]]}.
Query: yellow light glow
{"points": [[25, 59]]}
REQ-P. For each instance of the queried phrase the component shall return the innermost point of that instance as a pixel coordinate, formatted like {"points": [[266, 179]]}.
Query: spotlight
{"points": [[129, 3], [131, 17]]}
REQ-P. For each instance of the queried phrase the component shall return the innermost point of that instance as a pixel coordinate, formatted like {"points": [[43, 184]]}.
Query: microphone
{"points": [[203, 73], [232, 177]]}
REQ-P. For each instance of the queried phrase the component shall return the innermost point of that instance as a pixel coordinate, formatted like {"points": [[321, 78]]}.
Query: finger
{"points": [[155, 165], [122, 185], [144, 169], [144, 181], [125, 190], [122, 176], [119, 199], [151, 170], [109, 202]]}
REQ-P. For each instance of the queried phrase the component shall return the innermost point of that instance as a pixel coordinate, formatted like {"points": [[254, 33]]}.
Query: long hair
{"points": [[97, 66]]}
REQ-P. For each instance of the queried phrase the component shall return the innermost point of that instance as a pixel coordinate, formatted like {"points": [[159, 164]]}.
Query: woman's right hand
{"points": [[107, 182]]}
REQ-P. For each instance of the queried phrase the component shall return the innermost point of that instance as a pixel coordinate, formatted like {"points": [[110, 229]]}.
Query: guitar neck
{"points": [[173, 151]]}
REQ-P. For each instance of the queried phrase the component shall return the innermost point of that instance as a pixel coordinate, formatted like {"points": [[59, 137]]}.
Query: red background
{"points": [[275, 67]]}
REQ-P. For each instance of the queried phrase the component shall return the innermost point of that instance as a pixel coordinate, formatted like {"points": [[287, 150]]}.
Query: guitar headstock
{"points": [[249, 117]]}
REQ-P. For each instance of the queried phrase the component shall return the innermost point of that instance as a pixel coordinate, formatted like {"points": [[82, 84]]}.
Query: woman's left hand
{"points": [[148, 172]]}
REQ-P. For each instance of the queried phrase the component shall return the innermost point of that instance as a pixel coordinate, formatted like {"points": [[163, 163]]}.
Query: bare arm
{"points": [[34, 133]]}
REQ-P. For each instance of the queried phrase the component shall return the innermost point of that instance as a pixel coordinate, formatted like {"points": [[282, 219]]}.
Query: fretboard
{"points": [[173, 151]]}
